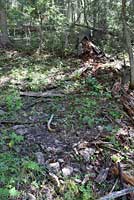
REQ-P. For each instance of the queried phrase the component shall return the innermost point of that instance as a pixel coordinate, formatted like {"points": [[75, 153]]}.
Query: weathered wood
{"points": [[41, 94], [117, 194]]}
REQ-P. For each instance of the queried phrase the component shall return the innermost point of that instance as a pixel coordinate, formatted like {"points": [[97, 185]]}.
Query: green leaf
{"points": [[13, 192]]}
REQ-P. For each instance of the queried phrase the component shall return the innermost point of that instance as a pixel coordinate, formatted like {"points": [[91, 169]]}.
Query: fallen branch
{"points": [[117, 194], [14, 122], [80, 71], [40, 100], [41, 94], [20, 122]]}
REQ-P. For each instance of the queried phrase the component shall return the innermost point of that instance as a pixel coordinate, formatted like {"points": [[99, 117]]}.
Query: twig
{"points": [[114, 186], [49, 124], [120, 193], [36, 102]]}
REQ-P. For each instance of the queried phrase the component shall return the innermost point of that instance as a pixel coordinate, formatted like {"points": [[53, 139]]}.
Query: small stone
{"points": [[2, 112], [31, 196], [83, 145], [61, 160], [77, 180], [54, 167], [67, 171], [100, 128], [87, 153], [20, 129]]}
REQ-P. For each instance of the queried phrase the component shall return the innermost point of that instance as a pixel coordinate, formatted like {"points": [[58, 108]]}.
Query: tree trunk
{"points": [[4, 40], [128, 43]]}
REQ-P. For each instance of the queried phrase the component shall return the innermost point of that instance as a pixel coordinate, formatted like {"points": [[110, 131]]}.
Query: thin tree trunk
{"points": [[128, 42], [4, 40]]}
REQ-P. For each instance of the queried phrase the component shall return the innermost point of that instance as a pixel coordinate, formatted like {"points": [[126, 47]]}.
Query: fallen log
{"points": [[41, 94], [117, 194], [127, 101]]}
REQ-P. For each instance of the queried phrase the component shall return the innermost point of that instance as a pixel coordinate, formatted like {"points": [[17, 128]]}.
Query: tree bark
{"points": [[128, 43], [4, 40]]}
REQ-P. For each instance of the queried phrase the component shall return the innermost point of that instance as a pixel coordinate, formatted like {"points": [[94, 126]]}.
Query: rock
{"points": [[87, 153], [82, 145], [31, 196], [54, 167], [100, 128], [60, 160], [2, 112], [131, 133], [67, 171], [40, 158], [20, 129], [77, 180]]}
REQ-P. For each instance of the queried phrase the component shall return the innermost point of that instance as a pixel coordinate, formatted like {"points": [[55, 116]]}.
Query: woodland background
{"points": [[66, 99]]}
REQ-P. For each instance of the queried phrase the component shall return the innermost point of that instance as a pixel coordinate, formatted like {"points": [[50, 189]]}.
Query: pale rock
{"points": [[20, 129], [87, 153], [31, 196], [54, 167], [60, 160], [2, 112], [100, 128], [67, 171]]}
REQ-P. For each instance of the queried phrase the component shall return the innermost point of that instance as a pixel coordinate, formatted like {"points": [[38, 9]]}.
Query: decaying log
{"points": [[41, 94], [117, 194], [128, 104], [89, 52]]}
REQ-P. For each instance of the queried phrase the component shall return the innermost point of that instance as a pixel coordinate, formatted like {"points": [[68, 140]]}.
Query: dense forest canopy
{"points": [[58, 26], [62, 20]]}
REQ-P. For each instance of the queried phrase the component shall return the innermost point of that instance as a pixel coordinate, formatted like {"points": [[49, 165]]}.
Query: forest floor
{"points": [[64, 132]]}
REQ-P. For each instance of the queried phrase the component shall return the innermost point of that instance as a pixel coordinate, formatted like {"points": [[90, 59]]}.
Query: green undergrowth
{"points": [[74, 191], [86, 104], [17, 172], [20, 173]]}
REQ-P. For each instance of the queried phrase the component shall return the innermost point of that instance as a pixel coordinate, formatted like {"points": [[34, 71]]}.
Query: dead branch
{"points": [[114, 185], [14, 122], [41, 94], [8, 122], [121, 193]]}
